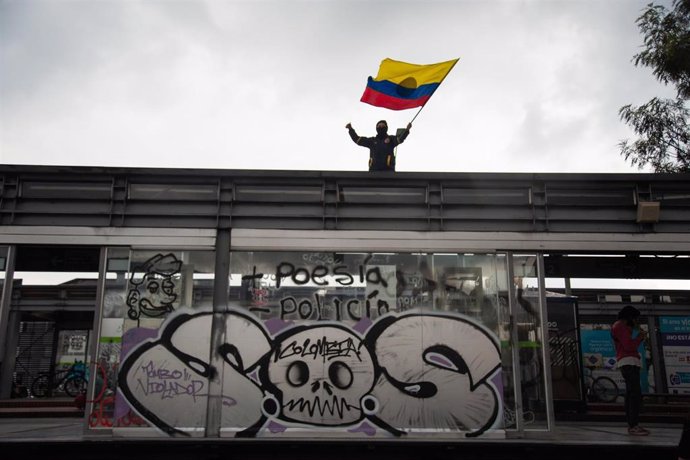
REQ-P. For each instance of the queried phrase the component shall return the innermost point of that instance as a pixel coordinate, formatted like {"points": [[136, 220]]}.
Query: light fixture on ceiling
{"points": [[648, 212]]}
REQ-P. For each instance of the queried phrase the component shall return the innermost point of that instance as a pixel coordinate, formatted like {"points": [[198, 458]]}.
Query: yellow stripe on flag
{"points": [[397, 72]]}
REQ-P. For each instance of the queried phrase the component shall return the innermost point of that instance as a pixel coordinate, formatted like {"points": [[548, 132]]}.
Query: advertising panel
{"points": [[599, 357], [675, 342]]}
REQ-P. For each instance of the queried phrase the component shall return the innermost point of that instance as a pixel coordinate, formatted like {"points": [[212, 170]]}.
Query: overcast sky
{"points": [[271, 84]]}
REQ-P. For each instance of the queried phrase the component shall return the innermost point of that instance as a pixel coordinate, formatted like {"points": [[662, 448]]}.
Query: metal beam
{"points": [[404, 241], [318, 200]]}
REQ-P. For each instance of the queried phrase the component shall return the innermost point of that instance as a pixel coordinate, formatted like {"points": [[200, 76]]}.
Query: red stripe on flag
{"points": [[377, 99]]}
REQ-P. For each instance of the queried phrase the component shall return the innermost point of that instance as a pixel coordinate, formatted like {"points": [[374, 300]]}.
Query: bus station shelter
{"points": [[321, 304]]}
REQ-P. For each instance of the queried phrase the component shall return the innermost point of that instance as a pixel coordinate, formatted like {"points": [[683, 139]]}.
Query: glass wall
{"points": [[144, 290], [50, 322], [386, 343], [531, 342], [347, 344]]}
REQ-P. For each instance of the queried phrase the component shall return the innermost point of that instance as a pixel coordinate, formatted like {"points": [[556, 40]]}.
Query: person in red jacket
{"points": [[628, 361]]}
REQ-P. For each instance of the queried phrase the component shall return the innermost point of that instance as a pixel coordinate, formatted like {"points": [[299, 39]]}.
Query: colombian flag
{"points": [[400, 86]]}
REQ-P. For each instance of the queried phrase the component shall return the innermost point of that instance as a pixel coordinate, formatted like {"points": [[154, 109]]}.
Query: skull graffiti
{"points": [[320, 374]]}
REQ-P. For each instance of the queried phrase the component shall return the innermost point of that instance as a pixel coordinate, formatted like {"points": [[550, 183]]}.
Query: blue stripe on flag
{"points": [[391, 89]]}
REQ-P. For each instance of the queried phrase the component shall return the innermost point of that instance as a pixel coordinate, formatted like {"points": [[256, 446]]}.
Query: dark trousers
{"points": [[633, 394]]}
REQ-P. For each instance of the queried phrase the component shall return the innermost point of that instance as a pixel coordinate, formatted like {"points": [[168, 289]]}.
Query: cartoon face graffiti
{"points": [[152, 288], [319, 375]]}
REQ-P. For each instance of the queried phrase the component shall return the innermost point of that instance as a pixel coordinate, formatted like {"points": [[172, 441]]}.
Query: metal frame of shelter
{"points": [[554, 214]]}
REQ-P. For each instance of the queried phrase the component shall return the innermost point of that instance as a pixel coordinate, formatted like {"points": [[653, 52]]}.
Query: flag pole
{"points": [[439, 84], [420, 109]]}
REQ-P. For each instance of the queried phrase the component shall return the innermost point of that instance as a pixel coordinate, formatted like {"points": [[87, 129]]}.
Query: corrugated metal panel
{"points": [[313, 200]]}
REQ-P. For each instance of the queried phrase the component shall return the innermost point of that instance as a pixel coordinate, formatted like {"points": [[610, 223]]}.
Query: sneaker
{"points": [[638, 431]]}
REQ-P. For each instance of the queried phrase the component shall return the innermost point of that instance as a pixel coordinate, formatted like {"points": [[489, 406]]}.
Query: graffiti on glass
{"points": [[417, 370], [151, 288]]}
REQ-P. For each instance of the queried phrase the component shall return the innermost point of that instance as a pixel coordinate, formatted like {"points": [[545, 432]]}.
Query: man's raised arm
{"points": [[401, 138], [355, 138]]}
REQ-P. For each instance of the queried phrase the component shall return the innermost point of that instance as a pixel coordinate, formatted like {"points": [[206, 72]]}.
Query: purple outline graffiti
{"points": [[407, 371]]}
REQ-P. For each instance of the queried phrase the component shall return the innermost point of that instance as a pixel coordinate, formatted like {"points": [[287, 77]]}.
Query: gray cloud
{"points": [[271, 84]]}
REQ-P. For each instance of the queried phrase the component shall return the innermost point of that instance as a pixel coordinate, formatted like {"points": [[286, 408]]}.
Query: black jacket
{"points": [[381, 149]]}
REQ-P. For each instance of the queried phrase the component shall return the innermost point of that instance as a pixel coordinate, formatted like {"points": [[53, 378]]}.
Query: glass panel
{"points": [[564, 353], [49, 327], [504, 331], [156, 312], [102, 409], [364, 343], [530, 341]]}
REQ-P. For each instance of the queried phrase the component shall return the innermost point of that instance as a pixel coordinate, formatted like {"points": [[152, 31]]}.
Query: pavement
{"points": [[56, 438]]}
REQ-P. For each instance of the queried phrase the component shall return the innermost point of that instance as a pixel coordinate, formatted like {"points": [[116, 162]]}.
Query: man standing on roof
{"points": [[381, 148]]}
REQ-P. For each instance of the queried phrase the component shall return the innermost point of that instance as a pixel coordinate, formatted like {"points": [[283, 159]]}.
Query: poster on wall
{"points": [[72, 348], [598, 351], [675, 342], [599, 356]]}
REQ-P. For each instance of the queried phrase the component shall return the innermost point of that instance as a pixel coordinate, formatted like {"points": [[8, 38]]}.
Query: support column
{"points": [[92, 358], [221, 285], [515, 347], [657, 357], [545, 345], [9, 329]]}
